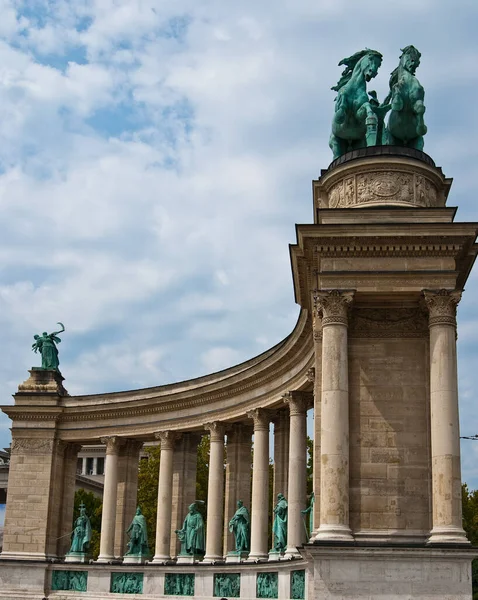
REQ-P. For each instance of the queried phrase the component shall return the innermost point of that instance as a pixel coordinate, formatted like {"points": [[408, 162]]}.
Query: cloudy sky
{"points": [[155, 156]]}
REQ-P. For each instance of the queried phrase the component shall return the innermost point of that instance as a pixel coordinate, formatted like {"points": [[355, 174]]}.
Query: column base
{"points": [[256, 557], [275, 555], [77, 557], [188, 559], [291, 553], [235, 557], [210, 560], [105, 559], [160, 559], [135, 559], [447, 535], [334, 533]]}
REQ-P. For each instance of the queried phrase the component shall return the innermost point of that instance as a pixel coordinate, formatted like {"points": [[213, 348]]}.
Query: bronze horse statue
{"points": [[406, 126], [355, 117]]}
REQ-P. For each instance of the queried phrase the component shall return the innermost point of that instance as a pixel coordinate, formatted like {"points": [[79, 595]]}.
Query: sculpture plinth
{"points": [[43, 381]]}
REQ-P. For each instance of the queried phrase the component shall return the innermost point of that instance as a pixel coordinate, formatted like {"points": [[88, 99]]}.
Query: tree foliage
{"points": [[148, 478], [470, 525], [93, 509]]}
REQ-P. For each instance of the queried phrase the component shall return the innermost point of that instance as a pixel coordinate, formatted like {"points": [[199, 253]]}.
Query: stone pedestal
{"points": [[77, 557]]}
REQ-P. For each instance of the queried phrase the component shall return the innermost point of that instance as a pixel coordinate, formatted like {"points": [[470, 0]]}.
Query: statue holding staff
{"points": [[46, 345]]}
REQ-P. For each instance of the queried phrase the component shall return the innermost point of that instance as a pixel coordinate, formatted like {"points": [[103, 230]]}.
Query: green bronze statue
{"points": [[46, 345], [406, 126], [356, 118], [192, 533], [279, 525], [138, 536], [240, 526], [81, 535]]}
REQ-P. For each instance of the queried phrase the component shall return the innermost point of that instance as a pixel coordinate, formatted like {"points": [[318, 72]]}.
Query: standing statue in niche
{"points": [[46, 345], [192, 533], [309, 511], [406, 126], [138, 536], [81, 534], [356, 117], [279, 526], [240, 526]]}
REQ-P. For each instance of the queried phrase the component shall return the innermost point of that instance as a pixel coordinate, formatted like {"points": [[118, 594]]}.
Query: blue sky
{"points": [[155, 156]]}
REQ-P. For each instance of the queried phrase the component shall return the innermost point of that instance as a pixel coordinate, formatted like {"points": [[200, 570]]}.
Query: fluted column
{"points": [[260, 485], [296, 498], [215, 493], [334, 492], [109, 499], [445, 432], [165, 496]]}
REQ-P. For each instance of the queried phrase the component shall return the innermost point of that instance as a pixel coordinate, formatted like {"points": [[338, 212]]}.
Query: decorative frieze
{"points": [[267, 585], [75, 581], [442, 306], [29, 445], [179, 584], [297, 585], [227, 585], [393, 322], [126, 583]]}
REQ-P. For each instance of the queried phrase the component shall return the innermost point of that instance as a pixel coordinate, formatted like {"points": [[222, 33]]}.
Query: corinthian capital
{"points": [[112, 443], [217, 430], [333, 306], [442, 306], [167, 439], [260, 417]]}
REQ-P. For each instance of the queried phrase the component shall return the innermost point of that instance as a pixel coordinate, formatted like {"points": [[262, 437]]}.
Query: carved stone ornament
{"points": [[297, 401], [442, 306], [113, 444], [382, 186], [261, 419], [311, 374], [43, 382], [388, 323], [167, 439], [32, 445], [216, 430], [333, 306]]}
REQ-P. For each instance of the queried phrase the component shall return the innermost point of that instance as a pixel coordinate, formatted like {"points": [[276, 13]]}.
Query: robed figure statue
{"points": [[240, 526], [46, 345], [138, 536], [192, 533], [279, 526], [81, 534]]}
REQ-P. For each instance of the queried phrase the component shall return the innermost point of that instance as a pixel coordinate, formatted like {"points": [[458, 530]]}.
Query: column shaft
{"points": [[260, 485], [109, 499], [164, 513], [297, 472], [215, 494], [445, 433], [334, 493]]}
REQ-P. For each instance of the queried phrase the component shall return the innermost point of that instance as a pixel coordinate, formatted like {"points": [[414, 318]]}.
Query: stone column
{"points": [[83, 466], [215, 493], [445, 432], [296, 498], [165, 498], [95, 465], [127, 491], [238, 476], [334, 493], [260, 485], [108, 520], [184, 482], [281, 454], [315, 376]]}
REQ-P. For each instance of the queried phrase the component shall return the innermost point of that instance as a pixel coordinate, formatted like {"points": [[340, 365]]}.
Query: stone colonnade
{"points": [[330, 333], [177, 478]]}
